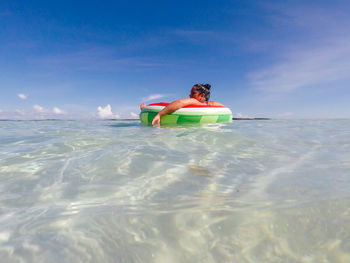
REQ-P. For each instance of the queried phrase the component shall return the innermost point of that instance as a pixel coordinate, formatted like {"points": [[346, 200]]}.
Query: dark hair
{"points": [[203, 88]]}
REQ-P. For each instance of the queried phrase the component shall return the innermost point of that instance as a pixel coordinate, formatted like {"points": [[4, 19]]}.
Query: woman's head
{"points": [[200, 92]]}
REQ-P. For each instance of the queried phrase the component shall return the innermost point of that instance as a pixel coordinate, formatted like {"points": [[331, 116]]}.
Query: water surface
{"points": [[115, 191]]}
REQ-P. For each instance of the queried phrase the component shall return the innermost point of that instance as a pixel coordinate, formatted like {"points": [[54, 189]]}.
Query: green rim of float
{"points": [[199, 114]]}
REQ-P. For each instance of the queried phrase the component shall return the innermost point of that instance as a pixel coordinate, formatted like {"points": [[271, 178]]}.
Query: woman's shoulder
{"points": [[214, 103]]}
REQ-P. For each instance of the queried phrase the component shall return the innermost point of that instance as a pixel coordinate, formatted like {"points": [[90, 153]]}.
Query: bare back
{"points": [[214, 103]]}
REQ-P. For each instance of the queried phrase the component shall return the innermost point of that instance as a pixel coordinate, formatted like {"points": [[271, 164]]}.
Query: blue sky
{"points": [[101, 59]]}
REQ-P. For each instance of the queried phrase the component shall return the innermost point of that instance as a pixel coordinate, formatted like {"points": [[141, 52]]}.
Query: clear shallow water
{"points": [[114, 191]]}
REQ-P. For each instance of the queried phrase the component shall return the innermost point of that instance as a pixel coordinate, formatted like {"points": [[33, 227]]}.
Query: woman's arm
{"points": [[175, 105]]}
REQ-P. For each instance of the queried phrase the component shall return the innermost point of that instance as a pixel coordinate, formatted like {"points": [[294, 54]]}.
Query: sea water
{"points": [[115, 191]]}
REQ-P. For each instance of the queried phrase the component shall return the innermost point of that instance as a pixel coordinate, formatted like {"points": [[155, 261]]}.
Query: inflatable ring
{"points": [[200, 114]]}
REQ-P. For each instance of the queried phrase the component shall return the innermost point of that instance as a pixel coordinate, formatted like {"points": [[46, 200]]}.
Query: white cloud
{"points": [[320, 18], [306, 66], [241, 115], [57, 110], [99, 59], [286, 115], [22, 96], [106, 112], [20, 112], [153, 97], [134, 115], [317, 51], [12, 114], [198, 35], [37, 108]]}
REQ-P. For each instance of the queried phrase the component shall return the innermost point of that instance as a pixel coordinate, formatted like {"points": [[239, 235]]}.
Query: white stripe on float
{"points": [[204, 110]]}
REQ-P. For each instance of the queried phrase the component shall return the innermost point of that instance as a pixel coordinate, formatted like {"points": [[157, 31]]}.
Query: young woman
{"points": [[200, 94]]}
